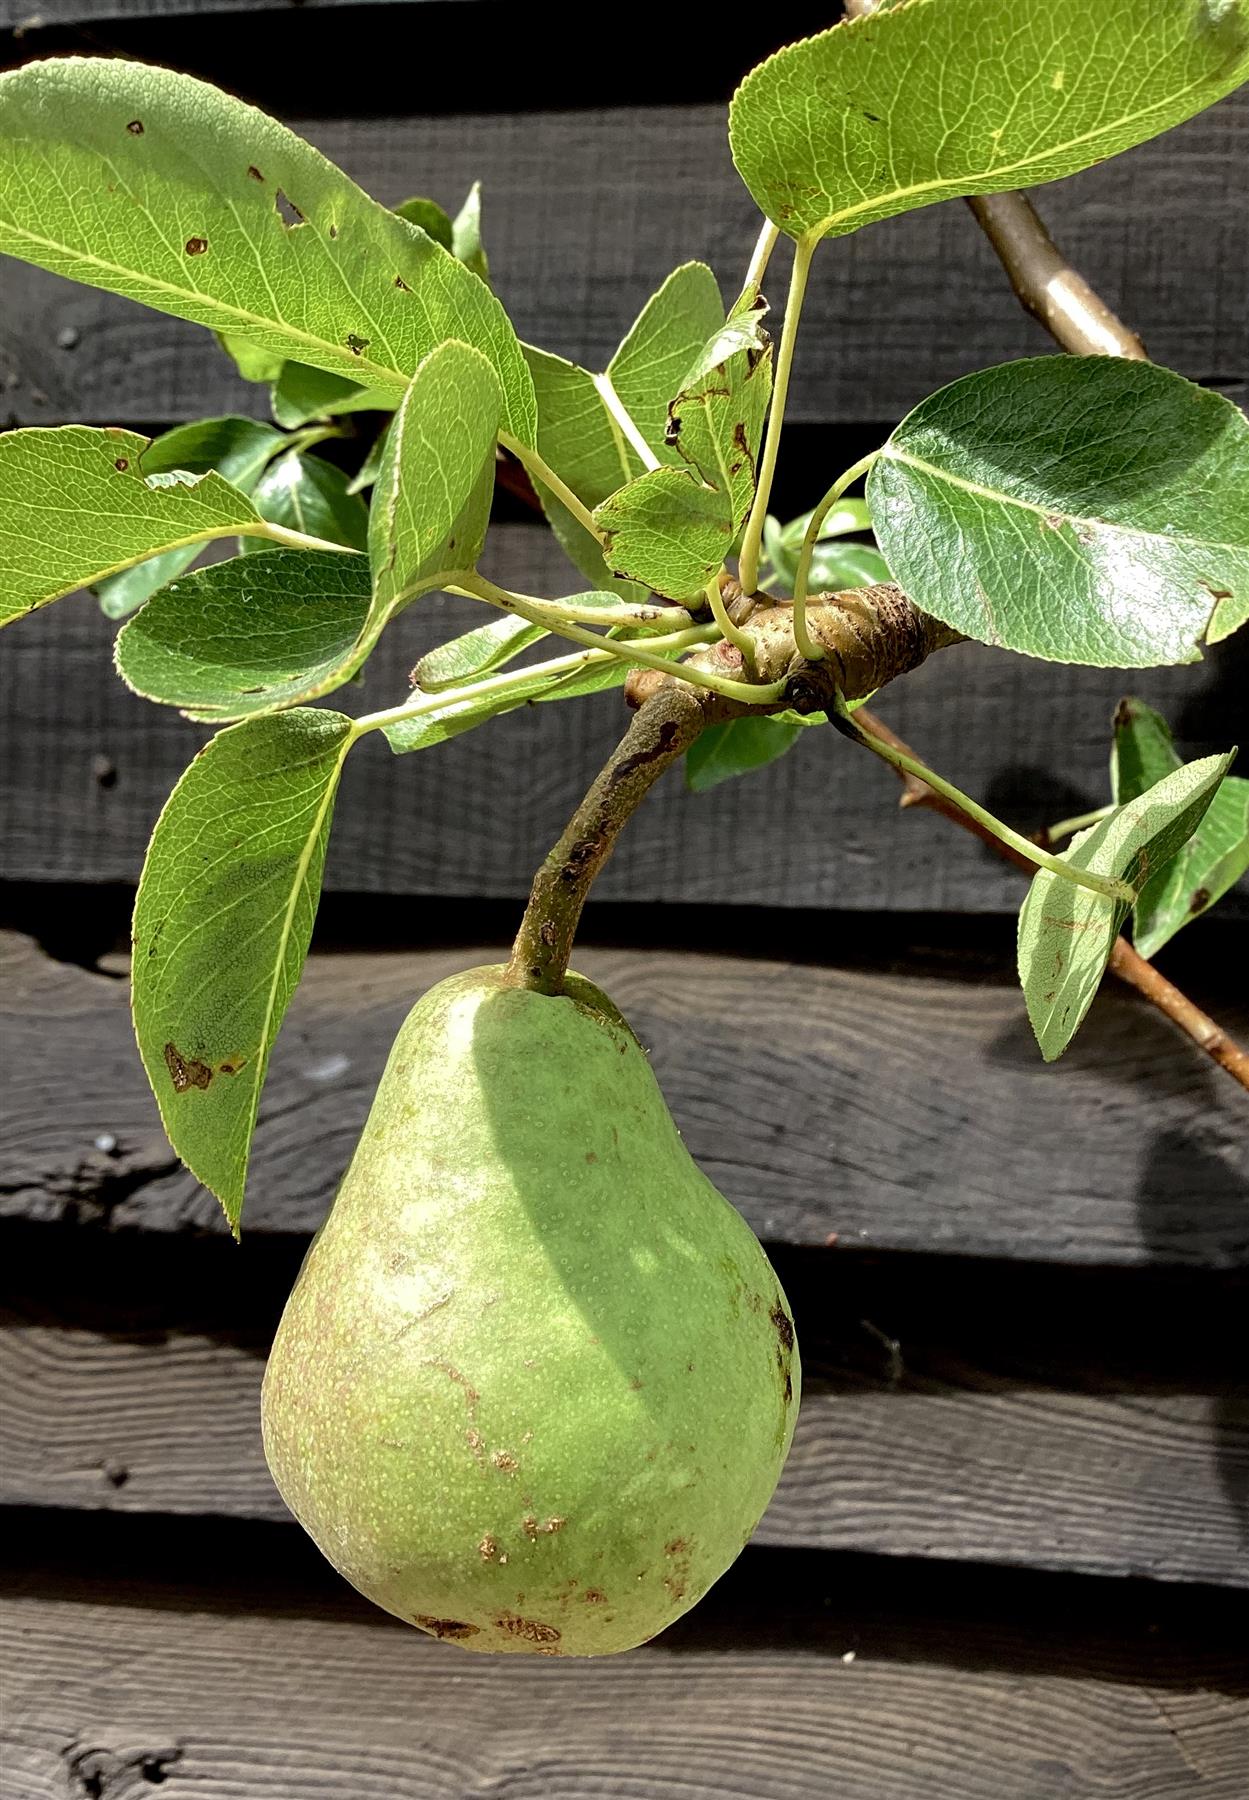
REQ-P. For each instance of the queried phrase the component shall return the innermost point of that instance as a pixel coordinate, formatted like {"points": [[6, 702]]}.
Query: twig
{"points": [[1125, 962], [1044, 282], [660, 731]]}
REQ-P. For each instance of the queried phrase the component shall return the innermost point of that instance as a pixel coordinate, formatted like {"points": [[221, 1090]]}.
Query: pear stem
{"points": [[660, 732]]}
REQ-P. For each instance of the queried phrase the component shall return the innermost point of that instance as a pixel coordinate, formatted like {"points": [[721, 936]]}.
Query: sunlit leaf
{"points": [[157, 186], [310, 495], [943, 97], [221, 928]]}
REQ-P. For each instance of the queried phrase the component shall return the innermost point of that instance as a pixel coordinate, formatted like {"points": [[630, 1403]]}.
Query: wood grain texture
{"points": [[900, 1110], [85, 767], [588, 211], [925, 1458], [794, 1680]]}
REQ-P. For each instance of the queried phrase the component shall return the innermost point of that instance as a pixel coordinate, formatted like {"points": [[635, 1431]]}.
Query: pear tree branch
{"points": [[1125, 962]]}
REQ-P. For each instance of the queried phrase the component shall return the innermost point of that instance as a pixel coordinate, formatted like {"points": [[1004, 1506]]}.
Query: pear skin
{"points": [[537, 1380]]}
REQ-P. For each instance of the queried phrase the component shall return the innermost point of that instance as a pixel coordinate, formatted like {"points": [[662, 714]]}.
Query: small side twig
{"points": [[1125, 962]]}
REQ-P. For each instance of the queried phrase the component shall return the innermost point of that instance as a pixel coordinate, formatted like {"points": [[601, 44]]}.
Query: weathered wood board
{"points": [[220, 1664], [881, 1105]]}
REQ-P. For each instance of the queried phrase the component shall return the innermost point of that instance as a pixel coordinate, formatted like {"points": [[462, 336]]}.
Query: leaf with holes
{"points": [[1066, 932], [237, 448], [310, 495], [76, 504], [1213, 859], [247, 636], [1081, 508], [944, 97], [159, 187], [222, 922]]}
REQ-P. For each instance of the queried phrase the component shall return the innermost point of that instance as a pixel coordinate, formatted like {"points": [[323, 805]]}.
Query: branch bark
{"points": [[660, 732], [1125, 962]]}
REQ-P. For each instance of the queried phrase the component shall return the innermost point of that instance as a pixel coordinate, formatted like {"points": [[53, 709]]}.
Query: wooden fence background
{"points": [[1009, 1556]]}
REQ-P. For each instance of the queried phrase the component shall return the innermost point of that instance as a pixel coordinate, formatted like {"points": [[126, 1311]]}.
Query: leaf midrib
{"points": [[389, 379], [956, 185], [891, 454]]}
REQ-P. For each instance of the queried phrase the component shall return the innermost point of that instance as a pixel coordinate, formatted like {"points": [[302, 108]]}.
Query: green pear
{"points": [[537, 1380]]}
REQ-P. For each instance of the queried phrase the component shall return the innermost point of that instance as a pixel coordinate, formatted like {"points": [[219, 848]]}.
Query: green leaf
{"points": [[310, 495], [716, 421], [304, 396], [667, 531], [577, 434], [466, 235], [425, 730], [431, 506], [221, 927], [247, 636], [735, 748], [477, 653], [237, 448], [659, 351], [370, 468], [162, 188], [946, 97], [1213, 859], [1085, 509], [1066, 932], [846, 565], [76, 504], [252, 361], [430, 217]]}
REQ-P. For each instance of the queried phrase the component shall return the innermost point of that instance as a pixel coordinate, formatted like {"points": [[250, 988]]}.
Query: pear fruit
{"points": [[537, 1379]]}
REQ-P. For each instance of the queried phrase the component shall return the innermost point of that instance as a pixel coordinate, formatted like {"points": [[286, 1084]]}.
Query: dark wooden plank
{"points": [[587, 211], [926, 1454], [85, 768], [229, 1666], [900, 1110]]}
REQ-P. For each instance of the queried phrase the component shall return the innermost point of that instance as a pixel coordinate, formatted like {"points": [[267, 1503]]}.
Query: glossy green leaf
{"points": [[431, 505], [221, 927], [76, 505], [162, 188], [945, 97], [737, 747], [430, 217], [667, 531], [1215, 856], [1066, 932], [476, 653], [466, 235], [310, 495], [845, 564], [305, 396], [1084, 509], [247, 636], [238, 448], [783, 543]]}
